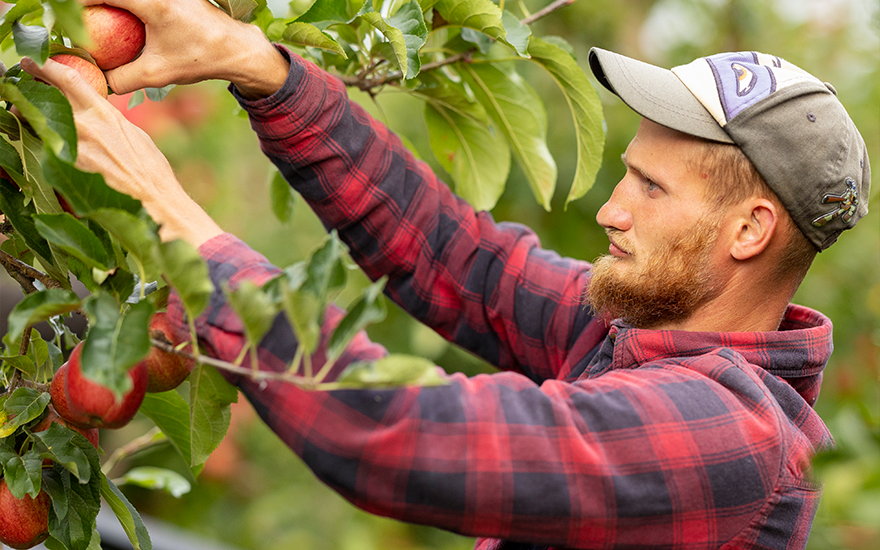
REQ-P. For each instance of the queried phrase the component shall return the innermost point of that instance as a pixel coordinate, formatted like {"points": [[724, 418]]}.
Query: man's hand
{"points": [[188, 41], [126, 156]]}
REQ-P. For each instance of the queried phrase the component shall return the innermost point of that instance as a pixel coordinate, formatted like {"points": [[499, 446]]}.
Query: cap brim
{"points": [[656, 94]]}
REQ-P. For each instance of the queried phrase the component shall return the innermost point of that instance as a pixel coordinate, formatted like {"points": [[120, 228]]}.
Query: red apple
{"points": [[165, 371], [94, 405], [52, 416], [59, 398], [23, 523], [116, 36], [86, 68]]}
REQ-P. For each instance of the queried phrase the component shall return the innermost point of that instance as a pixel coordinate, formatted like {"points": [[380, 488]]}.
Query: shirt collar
{"points": [[800, 348]]}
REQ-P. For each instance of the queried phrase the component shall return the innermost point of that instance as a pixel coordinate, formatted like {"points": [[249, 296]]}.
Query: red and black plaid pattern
{"points": [[595, 437]]}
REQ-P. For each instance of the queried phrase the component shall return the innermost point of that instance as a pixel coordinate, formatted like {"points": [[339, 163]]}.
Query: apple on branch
{"points": [[24, 522], [165, 370], [93, 75], [92, 434], [116, 36], [92, 404]]}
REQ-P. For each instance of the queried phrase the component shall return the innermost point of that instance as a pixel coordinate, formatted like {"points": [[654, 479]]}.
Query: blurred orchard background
{"points": [[254, 493]]}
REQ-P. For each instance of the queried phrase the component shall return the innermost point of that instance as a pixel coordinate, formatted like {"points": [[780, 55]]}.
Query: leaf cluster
{"points": [[462, 59]]}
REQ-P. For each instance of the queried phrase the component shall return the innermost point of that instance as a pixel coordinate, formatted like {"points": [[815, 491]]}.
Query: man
{"points": [[674, 412]]}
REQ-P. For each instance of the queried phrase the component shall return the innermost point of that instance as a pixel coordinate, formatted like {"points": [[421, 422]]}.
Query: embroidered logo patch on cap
{"points": [[740, 80]]}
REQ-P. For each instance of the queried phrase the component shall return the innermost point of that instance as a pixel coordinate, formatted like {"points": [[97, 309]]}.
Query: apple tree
{"points": [[60, 225]]}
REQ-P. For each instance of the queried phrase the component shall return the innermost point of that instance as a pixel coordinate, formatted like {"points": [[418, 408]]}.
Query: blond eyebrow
{"points": [[637, 169]]}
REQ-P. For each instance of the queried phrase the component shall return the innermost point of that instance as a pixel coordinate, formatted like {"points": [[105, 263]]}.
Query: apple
{"points": [[116, 35], [23, 523], [87, 69], [94, 405], [165, 371], [52, 415], [59, 398]]}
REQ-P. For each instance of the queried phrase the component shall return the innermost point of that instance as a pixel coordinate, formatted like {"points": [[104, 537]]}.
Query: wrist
{"points": [[260, 69]]}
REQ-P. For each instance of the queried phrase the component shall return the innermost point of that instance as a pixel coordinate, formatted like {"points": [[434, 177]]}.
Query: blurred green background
{"points": [[255, 493]]}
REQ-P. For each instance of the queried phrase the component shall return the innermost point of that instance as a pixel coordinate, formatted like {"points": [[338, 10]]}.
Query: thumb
{"points": [[126, 78]]}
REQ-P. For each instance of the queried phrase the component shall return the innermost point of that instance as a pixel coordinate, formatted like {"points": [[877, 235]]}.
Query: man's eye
{"points": [[652, 186]]}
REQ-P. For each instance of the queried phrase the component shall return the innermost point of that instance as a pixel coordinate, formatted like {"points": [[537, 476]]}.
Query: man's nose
{"points": [[614, 213]]}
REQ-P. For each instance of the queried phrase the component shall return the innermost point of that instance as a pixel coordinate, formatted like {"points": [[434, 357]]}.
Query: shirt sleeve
{"points": [[657, 455], [488, 287]]}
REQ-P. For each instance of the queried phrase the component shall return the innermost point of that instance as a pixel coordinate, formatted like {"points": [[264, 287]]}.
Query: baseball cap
{"points": [[789, 124]]}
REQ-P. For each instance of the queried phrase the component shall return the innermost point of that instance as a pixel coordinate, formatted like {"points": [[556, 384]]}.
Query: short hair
{"points": [[735, 180]]}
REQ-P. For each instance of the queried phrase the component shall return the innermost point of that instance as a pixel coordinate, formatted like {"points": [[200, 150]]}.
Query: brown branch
{"points": [[547, 10], [12, 263], [368, 84]]}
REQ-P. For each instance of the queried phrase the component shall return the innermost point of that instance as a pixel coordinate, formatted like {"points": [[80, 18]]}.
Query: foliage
{"points": [[270, 500]]}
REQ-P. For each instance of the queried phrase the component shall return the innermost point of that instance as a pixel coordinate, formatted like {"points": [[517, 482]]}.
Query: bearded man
{"points": [[674, 412]]}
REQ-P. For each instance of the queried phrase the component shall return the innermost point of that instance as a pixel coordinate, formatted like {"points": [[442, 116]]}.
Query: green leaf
{"points": [[255, 309], [242, 10], [517, 33], [411, 22], [138, 97], [187, 272], [31, 41], [127, 515], [366, 310], [406, 33], [282, 197], [480, 15], [482, 41], [52, 104], [586, 110], [158, 94], [19, 10], [171, 413], [35, 117], [69, 16], [21, 218], [150, 477], [210, 397], [518, 111], [116, 341], [477, 158], [72, 236], [306, 298], [26, 365], [391, 371], [86, 192], [135, 235], [74, 505], [10, 159], [327, 12], [63, 446], [23, 473], [307, 35], [40, 306]]}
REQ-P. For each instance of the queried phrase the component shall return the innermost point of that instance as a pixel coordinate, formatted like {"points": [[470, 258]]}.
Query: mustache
{"points": [[620, 240]]}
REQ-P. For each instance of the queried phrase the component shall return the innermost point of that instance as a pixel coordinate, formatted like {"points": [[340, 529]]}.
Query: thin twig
{"points": [[235, 369], [147, 440], [368, 84], [547, 10]]}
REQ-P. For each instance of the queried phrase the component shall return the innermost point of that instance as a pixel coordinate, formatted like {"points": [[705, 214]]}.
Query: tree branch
{"points": [[547, 10], [13, 264], [365, 84]]}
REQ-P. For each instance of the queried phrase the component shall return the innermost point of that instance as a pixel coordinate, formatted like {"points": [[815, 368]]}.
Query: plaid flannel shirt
{"points": [[591, 437]]}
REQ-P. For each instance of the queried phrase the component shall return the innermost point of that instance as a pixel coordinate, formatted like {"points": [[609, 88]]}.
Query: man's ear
{"points": [[756, 222]]}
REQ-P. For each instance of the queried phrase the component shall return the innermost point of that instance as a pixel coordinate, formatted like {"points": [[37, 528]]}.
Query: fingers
{"points": [[72, 84]]}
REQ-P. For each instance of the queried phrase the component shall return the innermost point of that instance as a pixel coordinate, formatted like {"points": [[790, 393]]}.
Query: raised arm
{"points": [[486, 286]]}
